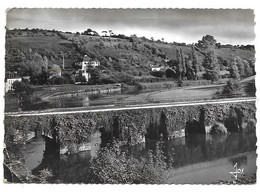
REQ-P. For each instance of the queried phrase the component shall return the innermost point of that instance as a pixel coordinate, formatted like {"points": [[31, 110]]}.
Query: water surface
{"points": [[198, 159]]}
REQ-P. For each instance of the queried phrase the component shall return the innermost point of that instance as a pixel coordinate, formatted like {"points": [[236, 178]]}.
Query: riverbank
{"points": [[174, 83]]}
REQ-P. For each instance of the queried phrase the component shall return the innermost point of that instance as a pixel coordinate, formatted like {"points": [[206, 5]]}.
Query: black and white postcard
{"points": [[130, 96]]}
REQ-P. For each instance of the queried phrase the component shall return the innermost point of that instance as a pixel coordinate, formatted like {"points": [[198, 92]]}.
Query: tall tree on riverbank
{"points": [[234, 71], [181, 63], [195, 63], [211, 65], [248, 70]]}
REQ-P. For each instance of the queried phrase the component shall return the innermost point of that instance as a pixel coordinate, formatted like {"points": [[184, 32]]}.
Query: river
{"points": [[144, 96], [198, 159], [86, 101]]}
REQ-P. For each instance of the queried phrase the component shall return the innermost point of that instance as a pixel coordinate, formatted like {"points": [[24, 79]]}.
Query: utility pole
{"points": [[63, 63]]}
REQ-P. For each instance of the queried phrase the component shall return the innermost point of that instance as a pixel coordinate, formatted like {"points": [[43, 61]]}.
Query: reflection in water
{"points": [[82, 100], [197, 159], [67, 102], [36, 150]]}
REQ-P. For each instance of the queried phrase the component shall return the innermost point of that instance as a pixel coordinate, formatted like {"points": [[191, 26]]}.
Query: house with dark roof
{"points": [[54, 71]]}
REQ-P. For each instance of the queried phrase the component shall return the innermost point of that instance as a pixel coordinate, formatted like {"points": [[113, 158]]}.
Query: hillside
{"points": [[123, 59]]}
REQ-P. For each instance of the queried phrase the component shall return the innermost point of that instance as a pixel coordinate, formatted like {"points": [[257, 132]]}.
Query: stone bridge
{"points": [[80, 130]]}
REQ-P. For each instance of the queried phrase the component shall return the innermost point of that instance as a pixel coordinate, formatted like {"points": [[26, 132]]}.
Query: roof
{"points": [[155, 66], [224, 72], [54, 67], [12, 75]]}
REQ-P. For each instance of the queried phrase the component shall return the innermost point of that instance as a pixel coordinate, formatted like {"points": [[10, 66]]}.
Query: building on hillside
{"points": [[10, 78], [87, 62], [224, 74], [54, 71], [84, 66], [26, 79], [155, 68], [81, 76], [166, 60]]}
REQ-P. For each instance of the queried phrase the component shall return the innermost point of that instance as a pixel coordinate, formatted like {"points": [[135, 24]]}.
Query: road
{"points": [[127, 107]]}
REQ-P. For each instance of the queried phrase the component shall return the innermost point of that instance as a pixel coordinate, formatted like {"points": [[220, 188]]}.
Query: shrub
{"points": [[45, 176], [231, 89], [218, 129], [233, 120], [251, 125], [112, 166], [250, 88], [101, 44]]}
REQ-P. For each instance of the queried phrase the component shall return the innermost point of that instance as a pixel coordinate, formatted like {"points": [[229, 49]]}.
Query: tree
{"points": [[112, 166], [95, 76], [183, 63], [88, 32], [179, 63], [42, 78], [208, 42], [231, 88], [252, 65], [105, 33], [110, 32], [234, 72], [250, 88], [240, 66], [45, 60], [190, 74], [211, 65], [195, 63], [23, 91], [248, 70]]}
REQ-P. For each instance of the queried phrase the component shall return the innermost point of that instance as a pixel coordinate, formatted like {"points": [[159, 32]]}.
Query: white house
{"points": [[155, 67], [10, 78], [85, 65]]}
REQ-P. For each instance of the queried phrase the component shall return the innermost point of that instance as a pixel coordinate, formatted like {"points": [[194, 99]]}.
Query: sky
{"points": [[228, 26]]}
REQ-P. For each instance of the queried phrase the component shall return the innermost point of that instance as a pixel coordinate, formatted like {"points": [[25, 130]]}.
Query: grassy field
{"points": [[176, 94]]}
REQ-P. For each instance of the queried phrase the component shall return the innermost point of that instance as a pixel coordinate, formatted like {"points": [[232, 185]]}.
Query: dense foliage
{"points": [[113, 166], [235, 89]]}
